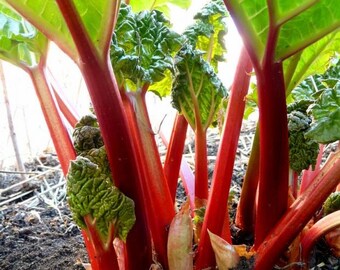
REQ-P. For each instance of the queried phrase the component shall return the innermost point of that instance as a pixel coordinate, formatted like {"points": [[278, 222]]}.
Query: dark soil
{"points": [[42, 236], [40, 239]]}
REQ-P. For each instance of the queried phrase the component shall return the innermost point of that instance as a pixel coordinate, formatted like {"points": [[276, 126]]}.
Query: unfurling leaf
{"points": [[225, 254], [86, 135], [197, 91], [142, 47], [90, 189], [91, 193], [208, 32], [180, 254]]}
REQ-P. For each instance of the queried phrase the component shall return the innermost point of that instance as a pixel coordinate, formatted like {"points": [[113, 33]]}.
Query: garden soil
{"points": [[36, 227]]}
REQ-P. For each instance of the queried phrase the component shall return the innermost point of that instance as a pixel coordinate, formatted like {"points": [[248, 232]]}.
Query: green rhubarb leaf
{"points": [[46, 16], [303, 151], [161, 5], [90, 189], [326, 116], [20, 43], [312, 87], [312, 60], [197, 91], [142, 48], [299, 23], [302, 28], [332, 203], [208, 32], [92, 194], [96, 18]]}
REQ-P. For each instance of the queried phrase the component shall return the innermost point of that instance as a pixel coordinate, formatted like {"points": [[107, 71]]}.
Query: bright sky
{"points": [[31, 131]]}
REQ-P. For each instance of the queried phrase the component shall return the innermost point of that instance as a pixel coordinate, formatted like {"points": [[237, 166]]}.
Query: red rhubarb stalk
{"points": [[299, 213], [217, 211], [97, 71], [174, 153], [103, 252], [159, 205], [320, 228], [201, 164], [274, 167], [65, 105], [245, 213], [60, 137]]}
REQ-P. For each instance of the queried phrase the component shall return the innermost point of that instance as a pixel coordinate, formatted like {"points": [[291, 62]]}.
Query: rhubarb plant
{"points": [[118, 186]]}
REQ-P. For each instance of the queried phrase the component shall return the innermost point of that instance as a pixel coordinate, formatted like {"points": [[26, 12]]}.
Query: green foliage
{"points": [[91, 193], [323, 93], [142, 47], [332, 203], [20, 43], [161, 5], [312, 87], [303, 152], [326, 116], [208, 32], [197, 91], [90, 186], [312, 60], [301, 23], [95, 17]]}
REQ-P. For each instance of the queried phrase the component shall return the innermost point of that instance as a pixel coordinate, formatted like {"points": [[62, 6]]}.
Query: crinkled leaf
{"points": [[86, 135], [208, 32], [197, 91], [91, 193], [326, 117], [142, 47], [20, 43], [161, 5], [225, 254], [301, 23], [312, 60], [180, 254], [303, 152]]}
